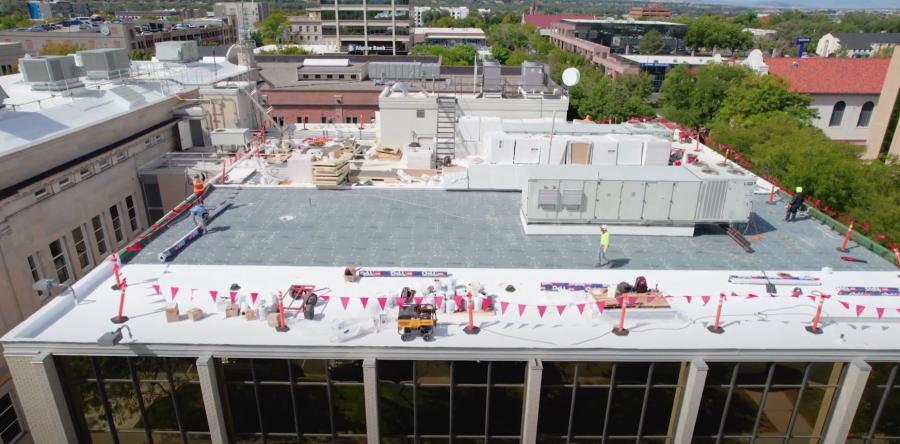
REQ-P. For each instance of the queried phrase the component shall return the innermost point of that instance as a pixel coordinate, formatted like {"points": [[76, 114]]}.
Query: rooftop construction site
{"points": [[462, 224]]}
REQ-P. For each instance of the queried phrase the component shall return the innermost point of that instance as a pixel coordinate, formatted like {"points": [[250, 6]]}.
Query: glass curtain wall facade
{"points": [[281, 401], [763, 402], [877, 419], [159, 400], [134, 400], [440, 401], [609, 402]]}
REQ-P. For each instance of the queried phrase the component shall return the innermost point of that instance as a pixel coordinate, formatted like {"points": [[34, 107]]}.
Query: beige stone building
{"points": [[70, 192]]}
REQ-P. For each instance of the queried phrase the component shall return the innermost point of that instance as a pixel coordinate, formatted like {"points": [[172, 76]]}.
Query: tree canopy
{"points": [[272, 29], [458, 55], [651, 43], [714, 32], [62, 48]]}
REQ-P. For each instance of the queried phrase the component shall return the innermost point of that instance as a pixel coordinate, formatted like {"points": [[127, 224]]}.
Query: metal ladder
{"points": [[446, 129]]}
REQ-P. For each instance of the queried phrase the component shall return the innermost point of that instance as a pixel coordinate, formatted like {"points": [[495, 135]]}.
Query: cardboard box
{"points": [[251, 315], [195, 314], [232, 310], [272, 320], [172, 314]]}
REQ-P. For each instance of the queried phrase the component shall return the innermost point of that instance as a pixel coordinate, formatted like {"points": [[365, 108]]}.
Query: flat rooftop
{"points": [[672, 60], [33, 116], [473, 229]]}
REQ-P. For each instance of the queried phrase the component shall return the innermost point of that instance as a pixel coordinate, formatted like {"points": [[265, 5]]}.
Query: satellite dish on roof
{"points": [[571, 76]]}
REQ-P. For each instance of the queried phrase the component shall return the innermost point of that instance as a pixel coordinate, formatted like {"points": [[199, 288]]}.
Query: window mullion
{"points": [[609, 396], [572, 405], [176, 410], [107, 410], [762, 402], [884, 396], [140, 399], [646, 400], [793, 420], [487, 403], [727, 406], [294, 408]]}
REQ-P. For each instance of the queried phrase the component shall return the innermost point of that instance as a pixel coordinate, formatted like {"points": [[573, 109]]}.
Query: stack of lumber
{"points": [[330, 173], [651, 299], [388, 154]]}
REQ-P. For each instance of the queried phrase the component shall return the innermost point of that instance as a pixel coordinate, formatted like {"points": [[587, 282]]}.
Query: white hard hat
{"points": [[603, 227]]}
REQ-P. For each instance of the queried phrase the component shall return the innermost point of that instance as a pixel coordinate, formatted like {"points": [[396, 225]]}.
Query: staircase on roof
{"points": [[446, 129]]}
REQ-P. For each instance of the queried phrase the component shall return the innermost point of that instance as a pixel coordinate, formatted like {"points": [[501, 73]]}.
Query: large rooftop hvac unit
{"points": [[105, 64], [3, 96], [492, 82], [177, 52], [532, 76], [51, 73]]}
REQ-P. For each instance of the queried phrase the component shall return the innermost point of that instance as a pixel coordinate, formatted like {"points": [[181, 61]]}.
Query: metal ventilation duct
{"points": [[177, 51], [491, 78], [51, 73], [105, 64]]}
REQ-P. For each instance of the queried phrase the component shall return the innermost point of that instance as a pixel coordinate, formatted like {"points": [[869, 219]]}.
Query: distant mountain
{"points": [[813, 4]]}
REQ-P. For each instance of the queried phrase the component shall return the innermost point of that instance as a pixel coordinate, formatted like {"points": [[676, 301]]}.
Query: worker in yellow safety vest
{"points": [[604, 245]]}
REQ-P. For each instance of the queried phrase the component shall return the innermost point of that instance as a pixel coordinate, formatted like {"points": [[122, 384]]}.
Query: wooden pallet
{"points": [[330, 172]]}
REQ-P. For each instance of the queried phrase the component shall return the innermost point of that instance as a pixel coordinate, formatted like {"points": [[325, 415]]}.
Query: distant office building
{"points": [[140, 35], [458, 12], [449, 37], [856, 44], [46, 10], [654, 10], [10, 53], [247, 13], [545, 23], [305, 29], [623, 36], [377, 27]]}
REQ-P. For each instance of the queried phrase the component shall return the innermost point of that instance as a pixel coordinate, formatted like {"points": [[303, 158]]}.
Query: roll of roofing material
{"points": [[192, 235]]}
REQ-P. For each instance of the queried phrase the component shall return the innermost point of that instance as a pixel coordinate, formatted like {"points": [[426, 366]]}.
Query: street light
{"points": [[43, 286]]}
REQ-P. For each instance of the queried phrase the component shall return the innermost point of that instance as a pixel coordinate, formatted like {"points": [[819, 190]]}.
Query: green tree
{"points": [[53, 48], [694, 99], [756, 95], [516, 58], [273, 28], [711, 33], [500, 54], [257, 37], [509, 36], [14, 21], [747, 19], [459, 55], [444, 22], [651, 42], [139, 54]]}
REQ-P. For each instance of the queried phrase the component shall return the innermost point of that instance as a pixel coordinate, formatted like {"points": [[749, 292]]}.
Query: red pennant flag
{"points": [[812, 298], [418, 300], [898, 310], [381, 302], [364, 301], [233, 296], [580, 308], [620, 300], [521, 309], [325, 298], [650, 299], [560, 309], [632, 301], [733, 294], [503, 305], [860, 309], [688, 298], [459, 302], [751, 296], [879, 311], [253, 297], [344, 301], [541, 309], [174, 291], [486, 304], [795, 294], [601, 306], [845, 304], [213, 294], [705, 300], [438, 301], [155, 288]]}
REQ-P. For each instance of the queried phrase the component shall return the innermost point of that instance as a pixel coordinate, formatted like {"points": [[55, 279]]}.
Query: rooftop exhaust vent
{"points": [[491, 79], [177, 52], [51, 73], [105, 64]]}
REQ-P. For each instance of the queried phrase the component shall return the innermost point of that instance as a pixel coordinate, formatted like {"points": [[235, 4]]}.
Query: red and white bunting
{"points": [[580, 308], [600, 306], [155, 288], [173, 291], [213, 294], [560, 309], [503, 306], [688, 298], [344, 301], [364, 301], [860, 309], [541, 309], [879, 311], [253, 297], [705, 299], [382, 302], [438, 302], [232, 295], [522, 309]]}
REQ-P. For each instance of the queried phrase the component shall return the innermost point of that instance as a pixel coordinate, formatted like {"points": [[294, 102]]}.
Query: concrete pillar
{"points": [[847, 401], [43, 400], [532, 404], [690, 402], [370, 381], [212, 399]]}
